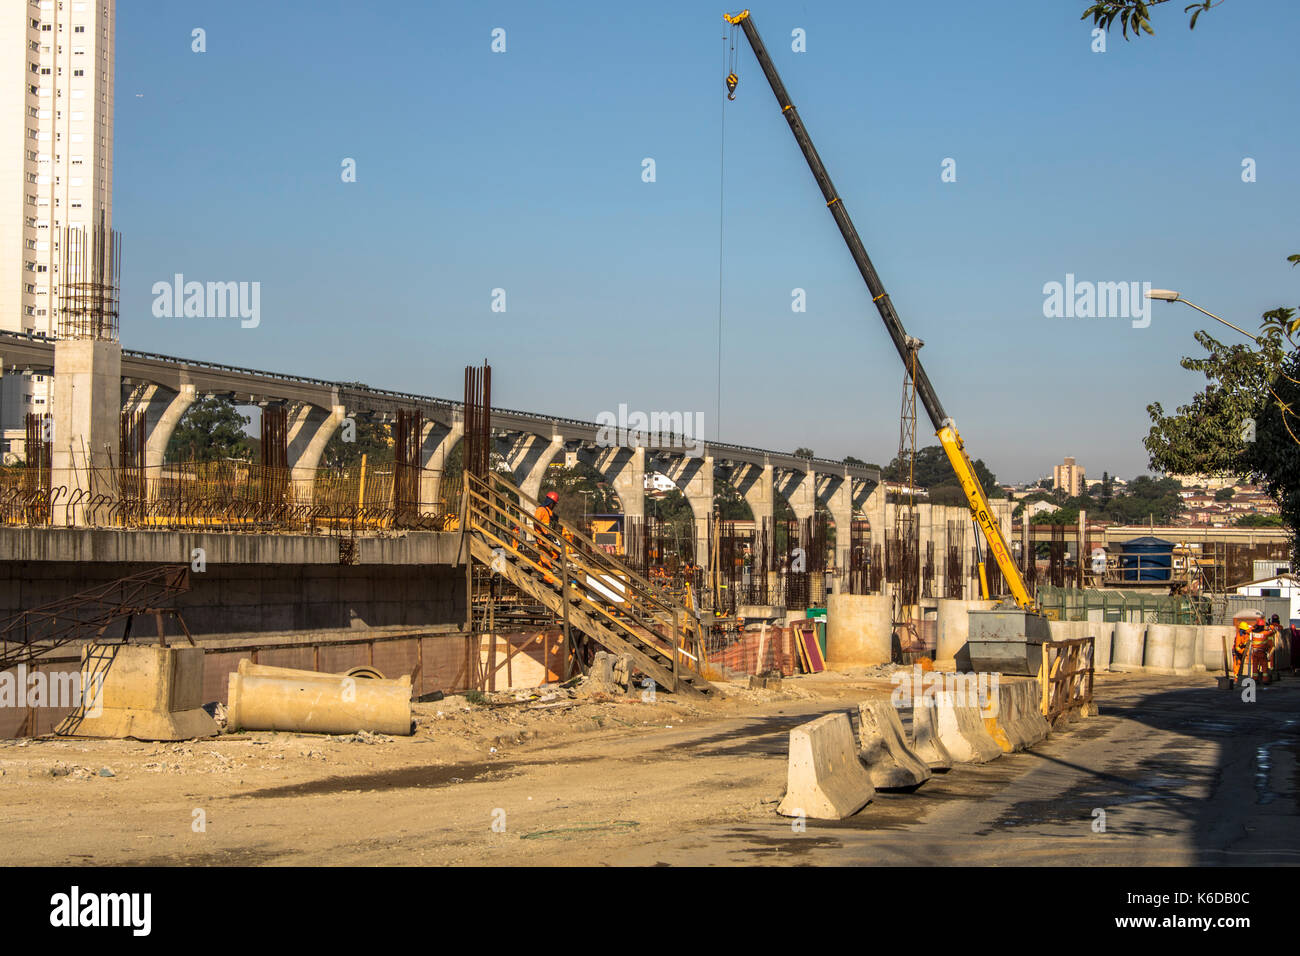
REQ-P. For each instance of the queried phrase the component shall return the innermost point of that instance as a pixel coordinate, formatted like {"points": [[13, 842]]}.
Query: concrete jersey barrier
{"points": [[925, 736], [883, 748], [961, 731], [1017, 722], [825, 780]]}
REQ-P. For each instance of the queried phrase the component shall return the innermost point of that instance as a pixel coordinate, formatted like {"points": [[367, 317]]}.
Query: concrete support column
{"points": [[310, 429], [528, 457], [799, 488], [836, 493], [163, 410], [435, 445], [875, 510], [624, 469], [758, 487], [694, 476], [87, 425]]}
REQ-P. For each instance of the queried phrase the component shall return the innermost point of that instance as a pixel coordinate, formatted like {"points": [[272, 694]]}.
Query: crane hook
{"points": [[732, 80]]}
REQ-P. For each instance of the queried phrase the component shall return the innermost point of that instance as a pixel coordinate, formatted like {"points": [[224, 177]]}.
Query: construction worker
{"points": [[1281, 638], [541, 523], [1261, 649], [1240, 647]]}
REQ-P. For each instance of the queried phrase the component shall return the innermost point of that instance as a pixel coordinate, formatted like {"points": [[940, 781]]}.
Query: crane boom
{"points": [[945, 427]]}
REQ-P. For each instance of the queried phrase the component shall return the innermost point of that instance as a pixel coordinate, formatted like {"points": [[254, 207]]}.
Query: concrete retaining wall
{"points": [[254, 598]]}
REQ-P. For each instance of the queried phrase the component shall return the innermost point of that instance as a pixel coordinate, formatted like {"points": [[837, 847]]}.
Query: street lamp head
{"points": [[1165, 295]]}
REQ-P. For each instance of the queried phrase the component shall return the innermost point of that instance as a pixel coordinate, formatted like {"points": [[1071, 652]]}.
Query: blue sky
{"points": [[522, 170]]}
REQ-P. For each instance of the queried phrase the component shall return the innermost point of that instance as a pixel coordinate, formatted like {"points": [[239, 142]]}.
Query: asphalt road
{"points": [[1180, 773]]}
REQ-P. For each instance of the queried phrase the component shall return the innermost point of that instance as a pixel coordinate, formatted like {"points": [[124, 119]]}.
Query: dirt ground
{"points": [[604, 781]]}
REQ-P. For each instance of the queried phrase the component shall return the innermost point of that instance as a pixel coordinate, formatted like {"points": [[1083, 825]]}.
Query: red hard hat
{"points": [[552, 497]]}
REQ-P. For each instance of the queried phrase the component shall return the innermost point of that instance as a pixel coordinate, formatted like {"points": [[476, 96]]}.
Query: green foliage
{"points": [[1135, 15], [730, 504], [1208, 436], [373, 440], [933, 471], [1066, 516], [1147, 499], [1260, 521], [1275, 452], [211, 429], [1224, 494], [804, 453], [582, 490]]}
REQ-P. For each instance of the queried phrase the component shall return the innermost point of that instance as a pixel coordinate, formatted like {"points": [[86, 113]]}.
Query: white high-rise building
{"points": [[56, 158]]}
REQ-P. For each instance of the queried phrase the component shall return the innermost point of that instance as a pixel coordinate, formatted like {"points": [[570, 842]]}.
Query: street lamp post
{"points": [[1168, 295]]}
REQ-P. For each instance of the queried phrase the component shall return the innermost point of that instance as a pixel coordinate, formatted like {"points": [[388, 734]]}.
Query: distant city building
{"points": [[1208, 482], [1035, 508], [1068, 476], [1280, 585], [56, 159], [658, 482]]}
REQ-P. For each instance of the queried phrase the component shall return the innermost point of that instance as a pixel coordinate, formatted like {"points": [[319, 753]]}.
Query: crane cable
{"points": [[727, 59]]}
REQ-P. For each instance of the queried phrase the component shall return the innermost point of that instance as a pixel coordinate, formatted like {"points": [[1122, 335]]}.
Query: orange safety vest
{"points": [[543, 517]]}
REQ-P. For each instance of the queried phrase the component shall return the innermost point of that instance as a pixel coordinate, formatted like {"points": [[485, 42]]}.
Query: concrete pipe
{"points": [[323, 705], [1185, 640], [1103, 634], [1127, 649], [953, 626], [858, 629], [1216, 647], [1158, 658]]}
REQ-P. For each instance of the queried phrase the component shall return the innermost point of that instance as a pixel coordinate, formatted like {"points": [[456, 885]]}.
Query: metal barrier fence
{"points": [[225, 496], [1074, 604]]}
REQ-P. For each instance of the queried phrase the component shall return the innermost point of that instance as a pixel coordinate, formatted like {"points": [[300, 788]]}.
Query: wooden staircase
{"points": [[603, 598]]}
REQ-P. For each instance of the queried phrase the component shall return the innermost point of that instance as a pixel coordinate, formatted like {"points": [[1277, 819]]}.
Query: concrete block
{"points": [[925, 736], [883, 748], [952, 624], [148, 693], [825, 779], [962, 732], [858, 629]]}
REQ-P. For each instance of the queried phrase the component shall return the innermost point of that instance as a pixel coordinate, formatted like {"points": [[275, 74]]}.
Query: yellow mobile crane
{"points": [[945, 427]]}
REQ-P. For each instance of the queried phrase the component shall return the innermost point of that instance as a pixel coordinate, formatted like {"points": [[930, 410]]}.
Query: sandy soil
{"points": [[572, 781]]}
